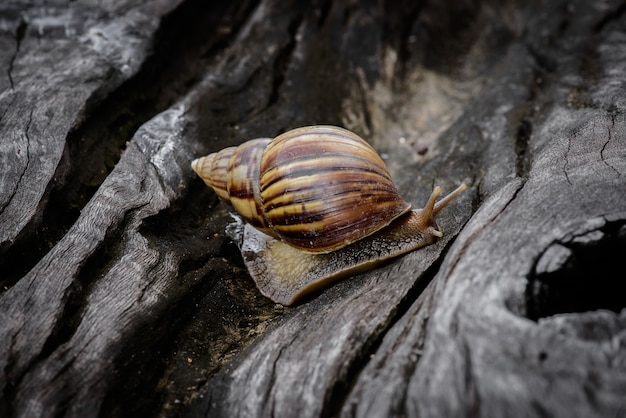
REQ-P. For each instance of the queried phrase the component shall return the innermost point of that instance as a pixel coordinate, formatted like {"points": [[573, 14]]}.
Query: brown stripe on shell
{"points": [[334, 179], [318, 162], [334, 184], [243, 183], [314, 142], [315, 202], [335, 215], [311, 240]]}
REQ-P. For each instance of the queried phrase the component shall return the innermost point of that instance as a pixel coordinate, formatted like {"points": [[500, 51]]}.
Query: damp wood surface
{"points": [[123, 292]]}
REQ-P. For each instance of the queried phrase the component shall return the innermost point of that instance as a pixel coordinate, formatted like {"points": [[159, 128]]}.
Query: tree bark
{"points": [[123, 291]]}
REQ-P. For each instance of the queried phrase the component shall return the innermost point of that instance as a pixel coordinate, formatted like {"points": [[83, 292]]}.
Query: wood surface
{"points": [[123, 291]]}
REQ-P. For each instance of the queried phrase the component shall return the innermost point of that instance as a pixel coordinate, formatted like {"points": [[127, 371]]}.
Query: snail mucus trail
{"points": [[319, 204]]}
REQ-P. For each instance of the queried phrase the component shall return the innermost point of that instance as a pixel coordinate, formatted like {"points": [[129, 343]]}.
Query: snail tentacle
{"points": [[448, 199]]}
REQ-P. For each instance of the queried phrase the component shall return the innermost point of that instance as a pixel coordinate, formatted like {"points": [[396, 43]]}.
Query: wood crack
{"points": [[20, 176], [470, 381], [603, 158], [282, 61], [566, 159], [19, 36], [612, 16]]}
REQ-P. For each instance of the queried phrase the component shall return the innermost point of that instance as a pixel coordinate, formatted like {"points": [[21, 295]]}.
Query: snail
{"points": [[319, 204]]}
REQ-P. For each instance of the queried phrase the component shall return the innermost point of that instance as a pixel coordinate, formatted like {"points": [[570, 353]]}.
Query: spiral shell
{"points": [[317, 188]]}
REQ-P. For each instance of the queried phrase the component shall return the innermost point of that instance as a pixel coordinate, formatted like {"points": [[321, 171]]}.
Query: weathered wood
{"points": [[62, 58], [124, 293]]}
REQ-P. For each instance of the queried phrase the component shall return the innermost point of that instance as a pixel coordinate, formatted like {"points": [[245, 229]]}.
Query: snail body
{"points": [[320, 204]]}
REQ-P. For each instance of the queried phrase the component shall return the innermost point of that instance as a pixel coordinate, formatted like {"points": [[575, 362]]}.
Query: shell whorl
{"points": [[213, 170], [319, 188], [233, 174]]}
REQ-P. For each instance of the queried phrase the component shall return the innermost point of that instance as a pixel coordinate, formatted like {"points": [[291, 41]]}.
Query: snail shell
{"points": [[316, 188], [324, 203]]}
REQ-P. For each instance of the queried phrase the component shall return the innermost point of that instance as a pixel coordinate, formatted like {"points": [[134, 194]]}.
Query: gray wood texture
{"points": [[122, 289]]}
